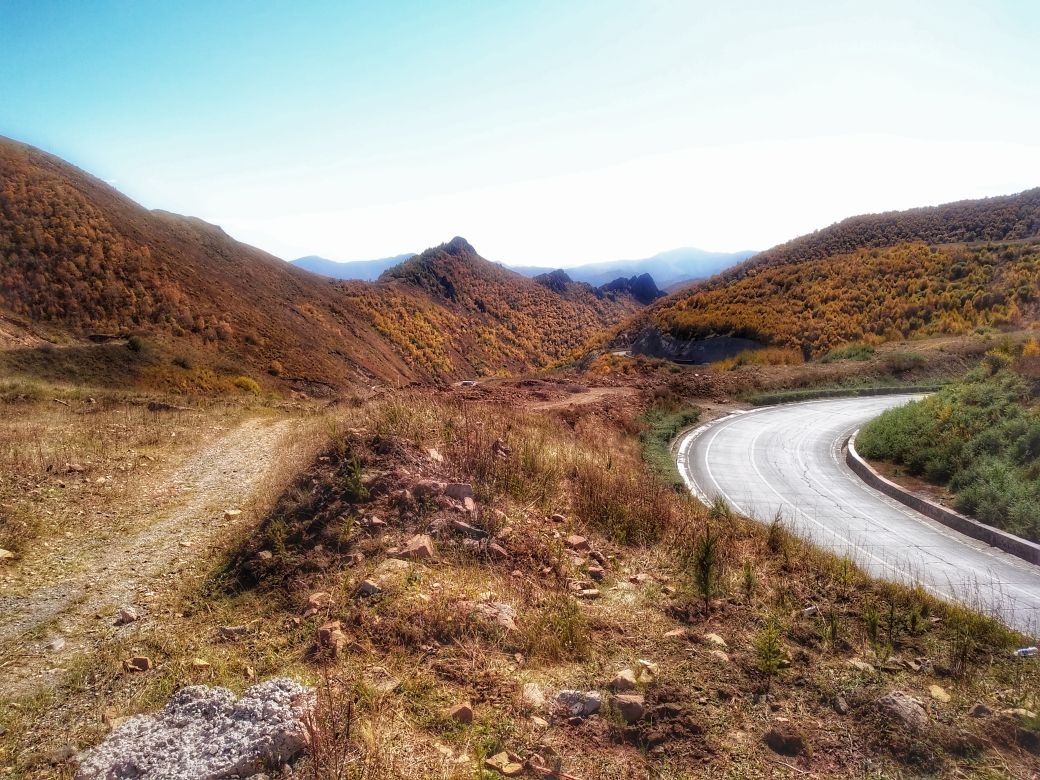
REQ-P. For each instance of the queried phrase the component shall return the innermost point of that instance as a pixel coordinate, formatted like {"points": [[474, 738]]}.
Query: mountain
{"points": [[365, 270], [941, 269], [667, 268], [83, 269]]}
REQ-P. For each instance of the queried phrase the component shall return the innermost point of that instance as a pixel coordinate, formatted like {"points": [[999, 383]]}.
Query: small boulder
{"points": [[331, 638], [579, 704], [460, 491], [577, 543], [319, 600], [232, 514], [716, 640], [861, 666], [418, 548], [368, 588], [597, 573], [126, 616], [938, 693], [625, 680], [980, 710], [139, 663], [504, 765], [6, 555], [630, 706], [232, 633], [428, 488], [532, 697], [904, 708]]}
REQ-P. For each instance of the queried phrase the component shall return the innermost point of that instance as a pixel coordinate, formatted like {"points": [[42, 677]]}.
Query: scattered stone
{"points": [[811, 611], [980, 710], [459, 491], [861, 666], [60, 755], [841, 706], [200, 664], [630, 706], [233, 633], [577, 543], [56, 644], [938, 693], [331, 637], [639, 579], [428, 488], [418, 548], [648, 671], [541, 723], [203, 733], [368, 588], [597, 573], [498, 551], [625, 680], [719, 655], [580, 704], [6, 555], [558, 518], [904, 708], [466, 529], [668, 590], [491, 611], [461, 713], [319, 600], [715, 639], [785, 739], [126, 616], [677, 633], [75, 468], [532, 697], [139, 663], [232, 514], [589, 593], [504, 765], [469, 505], [435, 455], [265, 555], [380, 679]]}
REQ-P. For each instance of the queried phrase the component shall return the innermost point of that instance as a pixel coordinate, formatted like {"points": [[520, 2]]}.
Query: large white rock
{"points": [[204, 733]]}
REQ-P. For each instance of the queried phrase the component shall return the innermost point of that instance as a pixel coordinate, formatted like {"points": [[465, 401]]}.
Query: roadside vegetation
{"points": [[980, 437], [660, 425]]}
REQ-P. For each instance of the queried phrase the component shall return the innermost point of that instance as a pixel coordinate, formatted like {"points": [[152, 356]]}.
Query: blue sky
{"points": [[546, 133]]}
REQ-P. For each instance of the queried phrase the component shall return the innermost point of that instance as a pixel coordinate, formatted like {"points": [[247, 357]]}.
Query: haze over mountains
{"points": [[667, 268]]}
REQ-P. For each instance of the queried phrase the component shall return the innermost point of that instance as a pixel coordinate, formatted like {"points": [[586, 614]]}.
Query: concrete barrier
{"points": [[1009, 543]]}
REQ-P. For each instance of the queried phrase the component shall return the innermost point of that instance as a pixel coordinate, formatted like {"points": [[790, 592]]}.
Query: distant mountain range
{"points": [[365, 270], [667, 268]]}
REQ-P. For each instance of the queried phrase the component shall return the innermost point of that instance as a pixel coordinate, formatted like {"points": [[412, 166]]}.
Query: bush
{"points": [[135, 344], [247, 384], [858, 350]]}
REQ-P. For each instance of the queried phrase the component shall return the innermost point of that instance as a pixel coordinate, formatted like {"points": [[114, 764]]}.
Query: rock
{"points": [[200, 664], [232, 633], [639, 579], [203, 733], [319, 600], [677, 633], [368, 588], [717, 640], [139, 663], [861, 666], [461, 713], [492, 612], [56, 644], [558, 518], [904, 708], [75, 468], [532, 697], [577, 543], [466, 529], [6, 554], [418, 548], [435, 455], [541, 723], [589, 593], [811, 611], [498, 551], [391, 571], [331, 638], [719, 655], [232, 514], [428, 488], [630, 706], [126, 616], [579, 704], [597, 573], [60, 755], [785, 739], [469, 504], [980, 710], [380, 679], [938, 693], [841, 706], [648, 671], [265, 555], [503, 764], [459, 491], [625, 680]]}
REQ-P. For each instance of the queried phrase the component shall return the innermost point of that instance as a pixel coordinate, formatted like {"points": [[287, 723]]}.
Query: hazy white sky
{"points": [[546, 133]]}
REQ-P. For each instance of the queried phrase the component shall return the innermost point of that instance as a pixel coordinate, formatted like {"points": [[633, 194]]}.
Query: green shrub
{"points": [[247, 384], [854, 351]]}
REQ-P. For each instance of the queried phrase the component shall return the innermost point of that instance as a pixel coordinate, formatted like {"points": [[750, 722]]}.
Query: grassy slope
{"points": [[981, 437], [586, 466]]}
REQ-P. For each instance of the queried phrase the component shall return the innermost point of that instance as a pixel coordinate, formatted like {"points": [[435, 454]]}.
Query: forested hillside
{"points": [[80, 263]]}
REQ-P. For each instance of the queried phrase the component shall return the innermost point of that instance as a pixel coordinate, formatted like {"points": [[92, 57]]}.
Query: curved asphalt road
{"points": [[789, 459]]}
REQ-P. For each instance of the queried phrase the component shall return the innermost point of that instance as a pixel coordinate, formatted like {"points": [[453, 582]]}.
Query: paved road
{"points": [[789, 458]]}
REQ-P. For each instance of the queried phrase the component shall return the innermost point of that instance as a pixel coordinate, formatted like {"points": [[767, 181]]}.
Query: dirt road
{"points": [[68, 602]]}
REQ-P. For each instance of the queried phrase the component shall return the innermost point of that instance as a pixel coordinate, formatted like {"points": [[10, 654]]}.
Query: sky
{"points": [[546, 133]]}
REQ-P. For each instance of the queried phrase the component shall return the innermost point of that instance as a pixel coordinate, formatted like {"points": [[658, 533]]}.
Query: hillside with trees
{"points": [[82, 267], [940, 270]]}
